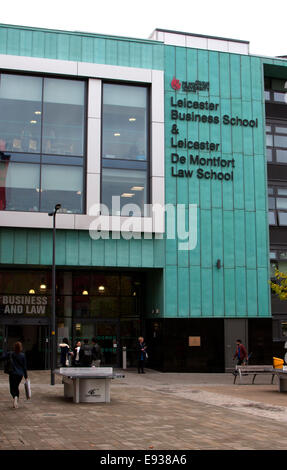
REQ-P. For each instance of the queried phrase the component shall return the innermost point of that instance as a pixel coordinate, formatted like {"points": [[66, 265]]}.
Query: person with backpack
{"points": [[16, 367], [240, 354], [87, 354], [97, 355]]}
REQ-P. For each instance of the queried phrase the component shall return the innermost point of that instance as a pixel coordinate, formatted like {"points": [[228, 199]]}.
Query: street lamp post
{"points": [[53, 322]]}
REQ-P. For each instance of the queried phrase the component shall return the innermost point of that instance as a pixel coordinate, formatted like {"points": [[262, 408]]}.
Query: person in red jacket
{"points": [[240, 353]]}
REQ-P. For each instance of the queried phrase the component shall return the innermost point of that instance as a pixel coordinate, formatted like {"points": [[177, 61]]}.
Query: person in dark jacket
{"points": [[65, 350], [240, 353], [97, 355], [78, 354], [142, 355], [18, 371], [87, 354]]}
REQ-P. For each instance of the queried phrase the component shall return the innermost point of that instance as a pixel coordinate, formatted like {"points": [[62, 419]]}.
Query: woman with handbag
{"points": [[16, 368]]}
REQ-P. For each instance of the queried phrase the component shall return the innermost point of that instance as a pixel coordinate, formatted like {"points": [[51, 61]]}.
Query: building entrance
{"points": [[35, 341], [107, 335]]}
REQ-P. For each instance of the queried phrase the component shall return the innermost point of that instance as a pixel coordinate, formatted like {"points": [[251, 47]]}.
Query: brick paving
{"points": [[159, 411]]}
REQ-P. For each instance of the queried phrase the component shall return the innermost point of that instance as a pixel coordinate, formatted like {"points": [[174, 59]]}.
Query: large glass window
{"points": [[42, 129], [125, 144], [63, 117], [276, 141], [277, 198], [275, 90]]}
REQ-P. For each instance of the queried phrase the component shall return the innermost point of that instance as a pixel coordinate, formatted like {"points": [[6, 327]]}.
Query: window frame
{"points": [[275, 186], [273, 123], [126, 161], [42, 155], [93, 72]]}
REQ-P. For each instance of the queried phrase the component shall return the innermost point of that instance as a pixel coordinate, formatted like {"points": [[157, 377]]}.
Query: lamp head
{"points": [[57, 207]]}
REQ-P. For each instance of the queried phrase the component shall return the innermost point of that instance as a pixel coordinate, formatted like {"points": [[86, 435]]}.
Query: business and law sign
{"points": [[187, 110], [23, 305]]}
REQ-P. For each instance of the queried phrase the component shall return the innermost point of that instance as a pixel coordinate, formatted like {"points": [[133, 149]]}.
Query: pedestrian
{"points": [[97, 355], [65, 352], [78, 354], [17, 369], [87, 354], [240, 353], [142, 354]]}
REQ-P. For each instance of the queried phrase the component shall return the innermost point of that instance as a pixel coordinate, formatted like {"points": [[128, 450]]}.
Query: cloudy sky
{"points": [[251, 20]]}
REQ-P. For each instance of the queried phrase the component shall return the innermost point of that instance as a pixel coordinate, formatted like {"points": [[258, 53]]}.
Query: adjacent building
{"points": [[169, 159]]}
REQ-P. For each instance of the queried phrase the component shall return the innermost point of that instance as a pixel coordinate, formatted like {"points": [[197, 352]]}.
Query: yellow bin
{"points": [[278, 363]]}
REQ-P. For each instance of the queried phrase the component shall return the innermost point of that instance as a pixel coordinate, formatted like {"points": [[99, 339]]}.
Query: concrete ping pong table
{"points": [[87, 384]]}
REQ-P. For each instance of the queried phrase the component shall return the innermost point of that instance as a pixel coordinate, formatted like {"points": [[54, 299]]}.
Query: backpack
{"points": [[87, 350], [97, 354], [9, 364]]}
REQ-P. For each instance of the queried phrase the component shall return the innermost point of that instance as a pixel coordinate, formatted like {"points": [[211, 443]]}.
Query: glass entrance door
{"points": [[107, 335]]}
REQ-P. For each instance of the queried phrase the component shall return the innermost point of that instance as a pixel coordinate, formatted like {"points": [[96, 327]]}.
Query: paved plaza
{"points": [[158, 411]]}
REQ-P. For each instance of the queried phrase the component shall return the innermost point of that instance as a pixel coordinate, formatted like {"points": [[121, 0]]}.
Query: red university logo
{"points": [[176, 85]]}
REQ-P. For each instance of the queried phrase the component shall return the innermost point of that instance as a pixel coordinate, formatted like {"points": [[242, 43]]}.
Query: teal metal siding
{"points": [[82, 47], [232, 217], [76, 248], [232, 222]]}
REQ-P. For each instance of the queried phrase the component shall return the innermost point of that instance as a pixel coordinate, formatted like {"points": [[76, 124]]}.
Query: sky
{"points": [[250, 20]]}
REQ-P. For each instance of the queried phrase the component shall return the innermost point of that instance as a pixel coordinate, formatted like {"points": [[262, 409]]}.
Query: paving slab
{"points": [[159, 411]]}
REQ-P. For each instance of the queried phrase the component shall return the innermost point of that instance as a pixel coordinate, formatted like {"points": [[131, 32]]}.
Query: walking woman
{"points": [[18, 370]]}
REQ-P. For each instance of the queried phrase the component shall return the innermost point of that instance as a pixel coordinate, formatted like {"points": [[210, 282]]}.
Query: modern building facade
{"points": [[156, 150]]}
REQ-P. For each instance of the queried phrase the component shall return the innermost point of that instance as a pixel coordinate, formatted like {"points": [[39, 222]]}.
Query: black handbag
{"points": [[9, 364]]}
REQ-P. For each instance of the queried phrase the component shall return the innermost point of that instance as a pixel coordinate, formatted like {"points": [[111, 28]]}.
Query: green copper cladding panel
{"points": [[77, 248], [232, 214], [81, 47]]}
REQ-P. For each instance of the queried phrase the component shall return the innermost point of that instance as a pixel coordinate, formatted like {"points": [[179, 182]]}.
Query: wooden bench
{"points": [[253, 370]]}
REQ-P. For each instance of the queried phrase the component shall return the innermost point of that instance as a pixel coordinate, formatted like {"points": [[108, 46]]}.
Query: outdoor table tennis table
{"points": [[87, 384]]}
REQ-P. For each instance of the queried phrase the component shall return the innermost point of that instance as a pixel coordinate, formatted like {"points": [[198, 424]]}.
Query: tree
{"points": [[279, 284]]}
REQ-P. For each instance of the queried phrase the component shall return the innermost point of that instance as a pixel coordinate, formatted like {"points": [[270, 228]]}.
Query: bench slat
{"points": [[254, 370]]}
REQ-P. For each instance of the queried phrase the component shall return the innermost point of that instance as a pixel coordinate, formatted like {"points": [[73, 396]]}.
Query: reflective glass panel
{"points": [[281, 202], [280, 141], [271, 218], [281, 130], [269, 155], [130, 187], [63, 117], [282, 191], [19, 186], [280, 97], [282, 218], [281, 156], [61, 185], [20, 113], [124, 122], [271, 202], [20, 157], [269, 140]]}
